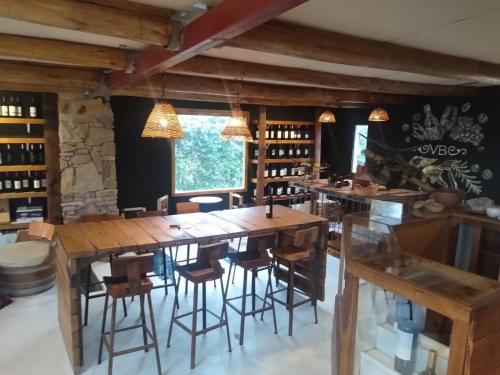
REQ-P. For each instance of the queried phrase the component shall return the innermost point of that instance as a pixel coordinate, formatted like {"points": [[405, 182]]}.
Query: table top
{"points": [[81, 240], [206, 199]]}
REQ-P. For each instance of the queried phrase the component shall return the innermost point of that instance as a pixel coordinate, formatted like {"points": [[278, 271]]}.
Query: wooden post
{"points": [[51, 135], [317, 141], [262, 156]]}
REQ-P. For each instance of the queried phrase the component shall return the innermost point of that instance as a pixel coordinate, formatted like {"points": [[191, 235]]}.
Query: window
{"points": [[359, 146], [203, 162]]}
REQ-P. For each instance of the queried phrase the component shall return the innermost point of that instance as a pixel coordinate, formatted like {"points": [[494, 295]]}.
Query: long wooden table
{"points": [[80, 244]]}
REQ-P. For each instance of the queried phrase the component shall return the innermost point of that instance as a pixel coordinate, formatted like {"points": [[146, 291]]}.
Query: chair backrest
{"points": [[133, 268], [162, 204], [41, 229], [235, 200], [209, 255], [187, 207], [150, 213], [305, 237], [97, 217], [261, 243]]}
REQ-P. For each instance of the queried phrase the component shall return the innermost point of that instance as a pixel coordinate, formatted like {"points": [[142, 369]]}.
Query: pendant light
{"points": [[327, 117], [163, 121], [378, 115], [236, 129]]}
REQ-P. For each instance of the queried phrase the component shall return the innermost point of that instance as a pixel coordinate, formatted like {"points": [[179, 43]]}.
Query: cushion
{"points": [[24, 254]]}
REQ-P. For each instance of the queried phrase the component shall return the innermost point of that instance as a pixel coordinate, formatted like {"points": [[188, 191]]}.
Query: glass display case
{"points": [[399, 313]]}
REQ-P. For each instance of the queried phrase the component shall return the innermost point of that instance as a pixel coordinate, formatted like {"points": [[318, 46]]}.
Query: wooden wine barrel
{"points": [[29, 270]]}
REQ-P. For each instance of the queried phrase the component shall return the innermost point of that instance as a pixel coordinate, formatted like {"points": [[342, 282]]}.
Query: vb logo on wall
{"points": [[445, 145]]}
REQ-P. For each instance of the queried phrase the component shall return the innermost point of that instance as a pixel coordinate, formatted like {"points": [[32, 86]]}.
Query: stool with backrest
{"points": [[206, 268], [256, 258], [297, 252], [88, 284], [128, 279]]}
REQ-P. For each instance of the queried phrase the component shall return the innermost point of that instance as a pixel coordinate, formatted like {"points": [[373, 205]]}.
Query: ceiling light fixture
{"points": [[237, 129], [378, 115], [327, 117]]}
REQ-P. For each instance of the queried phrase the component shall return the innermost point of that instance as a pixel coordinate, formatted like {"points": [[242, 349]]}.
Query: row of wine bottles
{"points": [[282, 189], [22, 154], [16, 182], [285, 151], [14, 108], [283, 170], [285, 132]]}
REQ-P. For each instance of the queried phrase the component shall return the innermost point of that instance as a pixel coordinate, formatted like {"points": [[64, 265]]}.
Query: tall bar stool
{"points": [[88, 283], [298, 254], [256, 258], [128, 279], [206, 268]]}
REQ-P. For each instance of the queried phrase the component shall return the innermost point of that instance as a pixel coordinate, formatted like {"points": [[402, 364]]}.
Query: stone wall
{"points": [[87, 159]]}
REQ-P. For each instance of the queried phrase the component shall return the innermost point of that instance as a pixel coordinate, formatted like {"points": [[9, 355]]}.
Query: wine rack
{"points": [[281, 148]]}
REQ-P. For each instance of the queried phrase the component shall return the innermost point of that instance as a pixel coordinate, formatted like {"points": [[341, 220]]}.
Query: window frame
{"points": [[208, 112], [353, 145]]}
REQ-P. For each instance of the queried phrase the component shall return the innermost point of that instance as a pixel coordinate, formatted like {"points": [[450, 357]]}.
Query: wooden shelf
{"points": [[22, 140], [278, 179], [24, 194], [287, 141], [22, 168], [290, 123], [10, 226], [22, 120], [283, 161], [284, 197]]}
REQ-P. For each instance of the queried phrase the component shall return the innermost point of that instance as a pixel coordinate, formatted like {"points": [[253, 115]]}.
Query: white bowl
{"points": [[493, 212]]}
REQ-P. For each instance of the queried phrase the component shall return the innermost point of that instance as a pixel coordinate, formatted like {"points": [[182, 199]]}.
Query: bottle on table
{"points": [[407, 336], [269, 205], [431, 364]]}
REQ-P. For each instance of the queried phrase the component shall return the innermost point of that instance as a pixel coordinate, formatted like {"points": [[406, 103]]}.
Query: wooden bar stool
{"points": [[256, 258], [297, 253], [206, 268], [128, 279]]}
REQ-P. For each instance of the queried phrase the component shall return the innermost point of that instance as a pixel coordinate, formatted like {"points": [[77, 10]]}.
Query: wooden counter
{"points": [[78, 245]]}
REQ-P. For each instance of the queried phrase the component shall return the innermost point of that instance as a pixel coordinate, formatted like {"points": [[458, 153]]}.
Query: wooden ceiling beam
{"points": [[229, 69], [222, 22], [14, 47], [299, 41], [89, 18], [136, 8]]}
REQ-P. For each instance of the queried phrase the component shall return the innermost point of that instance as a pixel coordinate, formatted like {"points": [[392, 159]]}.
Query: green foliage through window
{"points": [[204, 161]]}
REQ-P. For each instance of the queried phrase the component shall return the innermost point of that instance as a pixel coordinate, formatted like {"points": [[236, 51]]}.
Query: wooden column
{"points": [[262, 155], [317, 140], [51, 134]]}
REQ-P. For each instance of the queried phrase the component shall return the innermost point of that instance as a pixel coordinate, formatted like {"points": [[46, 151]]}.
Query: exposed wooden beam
{"points": [[256, 93], [133, 7], [230, 69], [89, 18], [224, 21], [305, 42], [61, 52]]}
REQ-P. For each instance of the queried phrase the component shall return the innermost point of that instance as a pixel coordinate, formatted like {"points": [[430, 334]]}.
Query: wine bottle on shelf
{"points": [[267, 133], [7, 186], [36, 182], [32, 157], [286, 133], [4, 108], [2, 156], [290, 152], [293, 170], [281, 152], [257, 134], [306, 152], [274, 171], [22, 157], [283, 171], [17, 182], [298, 133], [431, 364], [269, 204], [2, 185], [25, 182], [40, 157], [292, 133], [9, 157], [279, 191], [254, 193], [288, 190], [266, 173], [12, 107], [279, 132], [43, 181], [306, 134], [19, 108], [271, 133], [33, 111], [256, 153], [273, 153], [298, 152]]}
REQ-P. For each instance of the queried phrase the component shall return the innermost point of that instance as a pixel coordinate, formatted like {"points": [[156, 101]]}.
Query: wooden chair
{"points": [[298, 248], [206, 268], [162, 204], [88, 284], [255, 259], [150, 213], [187, 207], [128, 279], [235, 200]]}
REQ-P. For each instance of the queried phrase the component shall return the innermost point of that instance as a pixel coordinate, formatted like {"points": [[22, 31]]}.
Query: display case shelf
{"points": [[22, 140], [289, 123], [24, 194], [277, 179], [283, 161], [287, 141], [21, 120], [22, 168]]}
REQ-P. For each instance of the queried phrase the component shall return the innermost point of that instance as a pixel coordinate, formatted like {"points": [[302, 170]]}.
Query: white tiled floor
{"points": [[31, 343]]}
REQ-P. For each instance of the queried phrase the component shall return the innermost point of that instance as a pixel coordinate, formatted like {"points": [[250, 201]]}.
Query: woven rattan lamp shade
{"points": [[327, 117], [163, 123], [237, 129], [379, 115]]}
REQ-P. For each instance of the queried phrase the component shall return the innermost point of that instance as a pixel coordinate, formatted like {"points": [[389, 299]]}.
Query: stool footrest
{"points": [[267, 307]]}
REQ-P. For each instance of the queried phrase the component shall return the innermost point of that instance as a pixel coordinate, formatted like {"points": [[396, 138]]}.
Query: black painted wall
{"points": [[144, 165]]}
